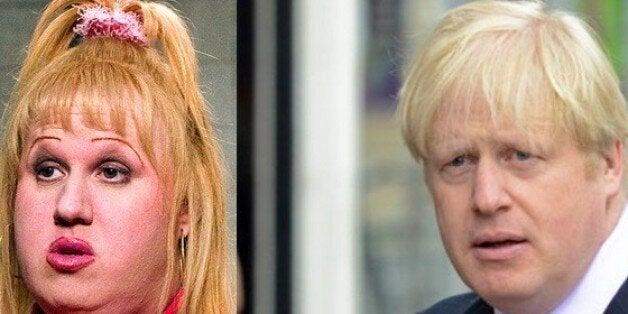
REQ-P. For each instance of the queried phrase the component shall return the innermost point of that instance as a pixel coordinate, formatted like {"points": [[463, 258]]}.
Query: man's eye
{"points": [[47, 171], [110, 173], [457, 167], [519, 156], [458, 161], [522, 155], [114, 173]]}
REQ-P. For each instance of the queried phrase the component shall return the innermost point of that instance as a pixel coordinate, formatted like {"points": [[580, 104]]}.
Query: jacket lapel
{"points": [[480, 307], [619, 304]]}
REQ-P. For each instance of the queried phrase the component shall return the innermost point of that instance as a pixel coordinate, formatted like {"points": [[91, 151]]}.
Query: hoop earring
{"points": [[182, 248]]}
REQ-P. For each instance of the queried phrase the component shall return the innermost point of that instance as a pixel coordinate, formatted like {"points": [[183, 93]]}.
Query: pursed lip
{"points": [[69, 255], [498, 245]]}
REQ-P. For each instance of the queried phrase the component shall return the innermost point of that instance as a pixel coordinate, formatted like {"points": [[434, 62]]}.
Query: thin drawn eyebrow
{"points": [[121, 141], [41, 138]]}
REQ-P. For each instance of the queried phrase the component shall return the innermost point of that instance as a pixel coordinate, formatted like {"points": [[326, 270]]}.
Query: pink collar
{"points": [[174, 306]]}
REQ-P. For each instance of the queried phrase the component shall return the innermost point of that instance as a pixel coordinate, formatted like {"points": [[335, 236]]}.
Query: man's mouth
{"points": [[498, 246], [69, 255]]}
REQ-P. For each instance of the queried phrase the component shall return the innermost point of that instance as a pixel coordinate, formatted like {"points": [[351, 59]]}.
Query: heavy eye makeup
{"points": [[48, 169], [113, 171], [109, 168]]}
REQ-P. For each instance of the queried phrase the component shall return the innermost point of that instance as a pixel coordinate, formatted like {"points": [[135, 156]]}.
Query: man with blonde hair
{"points": [[517, 116]]}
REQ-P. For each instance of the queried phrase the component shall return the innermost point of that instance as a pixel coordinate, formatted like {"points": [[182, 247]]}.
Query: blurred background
{"points": [[333, 216], [213, 28]]}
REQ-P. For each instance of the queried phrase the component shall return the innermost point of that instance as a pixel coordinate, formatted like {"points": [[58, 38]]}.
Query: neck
{"points": [[614, 208]]}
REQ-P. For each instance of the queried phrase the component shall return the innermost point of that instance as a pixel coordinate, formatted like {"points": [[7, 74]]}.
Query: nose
{"points": [[73, 206], [490, 190]]}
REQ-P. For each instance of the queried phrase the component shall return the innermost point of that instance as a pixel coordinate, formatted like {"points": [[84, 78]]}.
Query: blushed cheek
{"points": [[30, 233], [32, 211], [32, 219], [140, 228]]}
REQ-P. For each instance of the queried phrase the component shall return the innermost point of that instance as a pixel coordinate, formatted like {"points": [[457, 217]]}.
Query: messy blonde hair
{"points": [[518, 61], [157, 84]]}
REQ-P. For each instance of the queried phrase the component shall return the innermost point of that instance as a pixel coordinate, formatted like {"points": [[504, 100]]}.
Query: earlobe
{"points": [[184, 222]]}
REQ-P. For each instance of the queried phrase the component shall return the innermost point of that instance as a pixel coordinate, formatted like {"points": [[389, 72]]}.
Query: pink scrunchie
{"points": [[99, 21]]}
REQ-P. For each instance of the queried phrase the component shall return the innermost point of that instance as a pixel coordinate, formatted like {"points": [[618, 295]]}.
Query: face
{"points": [[90, 222], [521, 220]]}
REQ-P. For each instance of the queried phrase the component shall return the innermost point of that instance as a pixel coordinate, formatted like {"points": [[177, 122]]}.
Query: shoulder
{"points": [[464, 303]]}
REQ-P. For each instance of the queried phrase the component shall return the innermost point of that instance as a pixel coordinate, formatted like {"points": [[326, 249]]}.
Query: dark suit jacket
{"points": [[470, 303]]}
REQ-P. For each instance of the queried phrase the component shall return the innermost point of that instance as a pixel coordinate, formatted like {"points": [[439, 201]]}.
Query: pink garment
{"points": [[174, 306]]}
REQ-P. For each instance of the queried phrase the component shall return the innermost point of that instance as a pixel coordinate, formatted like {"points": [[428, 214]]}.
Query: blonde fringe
{"points": [[518, 61]]}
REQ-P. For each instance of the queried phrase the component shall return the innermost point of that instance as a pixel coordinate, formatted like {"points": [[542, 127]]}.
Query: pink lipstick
{"points": [[69, 255]]}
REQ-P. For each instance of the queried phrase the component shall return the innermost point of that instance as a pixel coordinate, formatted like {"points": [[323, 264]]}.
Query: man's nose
{"points": [[73, 205], [490, 193]]}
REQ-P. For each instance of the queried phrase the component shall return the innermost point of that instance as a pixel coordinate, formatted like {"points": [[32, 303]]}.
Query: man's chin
{"points": [[515, 296], [504, 286], [71, 301]]}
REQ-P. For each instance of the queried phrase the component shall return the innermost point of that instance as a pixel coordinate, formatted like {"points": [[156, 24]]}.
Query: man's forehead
{"points": [[445, 134]]}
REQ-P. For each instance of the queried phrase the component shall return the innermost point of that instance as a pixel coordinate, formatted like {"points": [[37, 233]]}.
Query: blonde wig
{"points": [[155, 84], [522, 64]]}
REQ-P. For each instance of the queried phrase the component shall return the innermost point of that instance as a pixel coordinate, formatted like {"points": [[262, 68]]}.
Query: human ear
{"points": [[613, 157], [184, 221]]}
